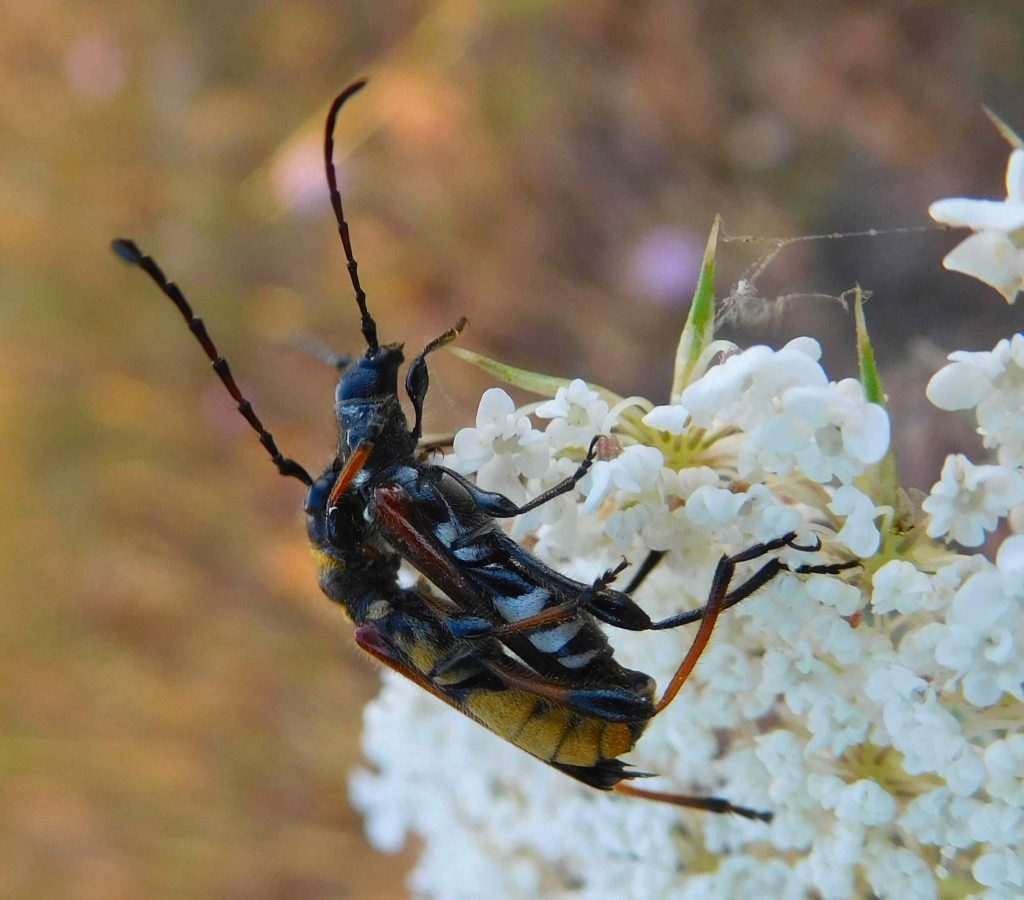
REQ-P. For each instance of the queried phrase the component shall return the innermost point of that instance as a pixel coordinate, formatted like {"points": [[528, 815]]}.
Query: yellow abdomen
{"points": [[553, 733]]}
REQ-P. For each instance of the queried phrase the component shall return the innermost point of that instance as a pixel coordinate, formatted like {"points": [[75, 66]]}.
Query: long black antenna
{"points": [[130, 253], [368, 326]]}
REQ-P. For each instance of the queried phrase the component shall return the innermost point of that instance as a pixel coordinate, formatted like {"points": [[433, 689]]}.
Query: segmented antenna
{"points": [[131, 254], [368, 326]]}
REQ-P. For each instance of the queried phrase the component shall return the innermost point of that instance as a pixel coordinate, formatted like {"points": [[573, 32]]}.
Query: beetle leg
{"points": [[565, 485], [621, 611], [646, 567], [720, 598], [618, 610], [710, 804], [494, 504], [476, 627], [716, 603], [498, 506], [467, 538], [611, 704], [471, 627], [827, 568], [373, 642], [758, 580], [754, 583], [417, 379], [353, 466], [462, 654]]}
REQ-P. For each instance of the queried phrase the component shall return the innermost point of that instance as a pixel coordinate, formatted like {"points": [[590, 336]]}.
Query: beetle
{"points": [[489, 629]]}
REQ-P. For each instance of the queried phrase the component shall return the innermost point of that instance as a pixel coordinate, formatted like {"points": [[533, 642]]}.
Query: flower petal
{"points": [[867, 438], [981, 215], [495, 406], [992, 257], [667, 418], [958, 386]]}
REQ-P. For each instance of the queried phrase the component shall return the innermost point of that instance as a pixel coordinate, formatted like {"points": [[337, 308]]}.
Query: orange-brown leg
{"points": [[353, 467], [709, 804], [721, 598], [718, 599], [716, 603]]}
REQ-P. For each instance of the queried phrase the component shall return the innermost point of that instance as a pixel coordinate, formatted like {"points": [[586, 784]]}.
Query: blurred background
{"points": [[179, 707]]}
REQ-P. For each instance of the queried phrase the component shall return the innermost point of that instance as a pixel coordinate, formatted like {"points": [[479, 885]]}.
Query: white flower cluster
{"points": [[877, 713]]}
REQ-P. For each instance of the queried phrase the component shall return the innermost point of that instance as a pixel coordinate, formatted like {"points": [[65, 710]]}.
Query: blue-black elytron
{"points": [[492, 631]]}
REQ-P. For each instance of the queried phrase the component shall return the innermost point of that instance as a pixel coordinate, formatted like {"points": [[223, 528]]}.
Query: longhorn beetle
{"points": [[496, 634]]}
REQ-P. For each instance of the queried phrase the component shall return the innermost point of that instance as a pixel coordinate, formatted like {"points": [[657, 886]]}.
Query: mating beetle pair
{"points": [[490, 629]]}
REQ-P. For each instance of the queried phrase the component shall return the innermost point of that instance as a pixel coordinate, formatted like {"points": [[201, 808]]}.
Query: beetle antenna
{"points": [[368, 326], [131, 254]]}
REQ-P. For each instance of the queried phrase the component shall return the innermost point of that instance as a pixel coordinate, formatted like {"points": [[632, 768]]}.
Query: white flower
{"points": [[742, 390], [998, 823], [982, 641], [1004, 761], [899, 587], [712, 507], [690, 480], [972, 376], [767, 516], [970, 500], [866, 803], [895, 683], [503, 446], [843, 598], [824, 431], [995, 254], [830, 867], [925, 732], [634, 471], [577, 415], [895, 872], [637, 483], [994, 383], [941, 818], [999, 868], [859, 531]]}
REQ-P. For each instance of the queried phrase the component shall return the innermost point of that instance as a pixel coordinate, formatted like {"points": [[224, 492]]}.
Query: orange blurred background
{"points": [[180, 706]]}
